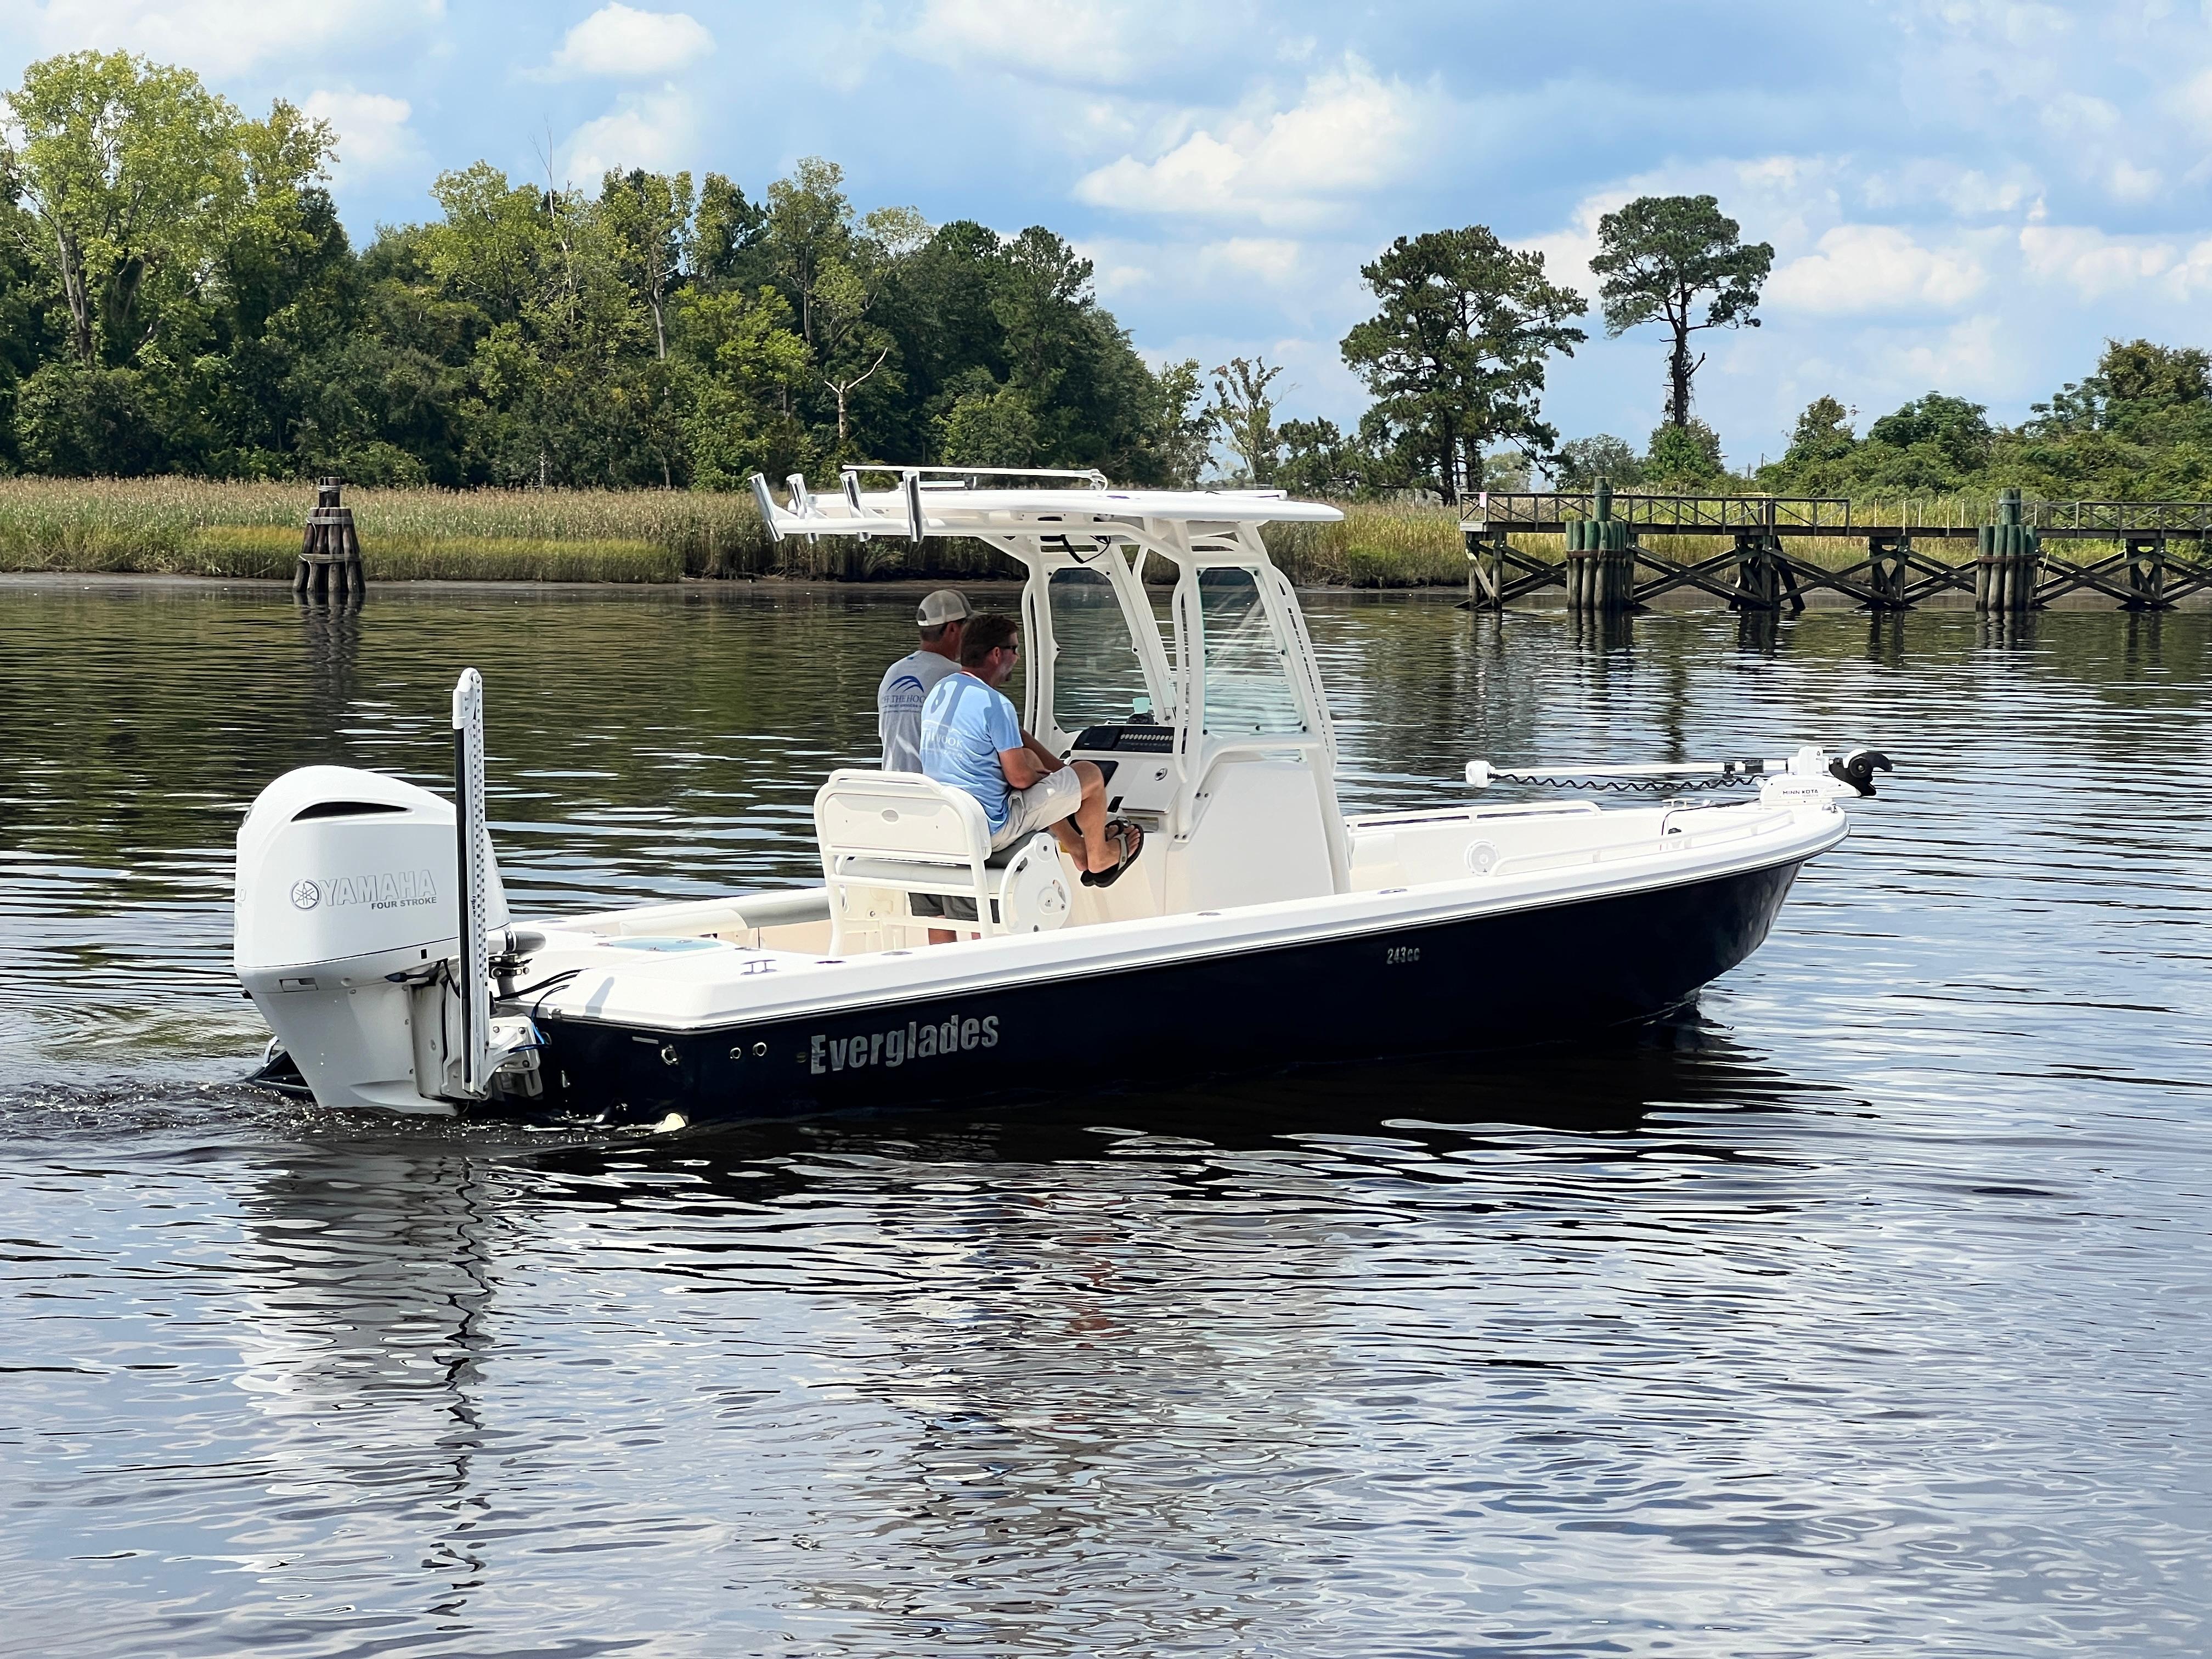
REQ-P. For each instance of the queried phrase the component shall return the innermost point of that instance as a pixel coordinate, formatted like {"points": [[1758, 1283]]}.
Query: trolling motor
{"points": [[1856, 770]]}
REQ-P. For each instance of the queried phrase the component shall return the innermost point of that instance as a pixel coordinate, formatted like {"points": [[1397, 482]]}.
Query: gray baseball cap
{"points": [[947, 604]]}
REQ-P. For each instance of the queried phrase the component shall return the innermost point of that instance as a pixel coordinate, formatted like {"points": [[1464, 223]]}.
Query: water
{"points": [[1864, 1309]]}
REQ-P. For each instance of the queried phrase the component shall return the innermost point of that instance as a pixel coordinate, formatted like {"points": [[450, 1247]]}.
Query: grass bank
{"points": [[182, 526]]}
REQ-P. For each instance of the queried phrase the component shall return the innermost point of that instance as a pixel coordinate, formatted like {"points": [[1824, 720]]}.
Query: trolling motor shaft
{"points": [[1856, 769]]}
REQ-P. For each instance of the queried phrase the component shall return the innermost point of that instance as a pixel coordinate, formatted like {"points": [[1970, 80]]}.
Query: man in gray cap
{"points": [[908, 682]]}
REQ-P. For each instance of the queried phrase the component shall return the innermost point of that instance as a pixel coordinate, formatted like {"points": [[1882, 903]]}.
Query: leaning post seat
{"points": [[887, 838]]}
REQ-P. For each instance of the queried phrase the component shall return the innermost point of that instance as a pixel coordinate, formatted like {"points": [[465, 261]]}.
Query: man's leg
{"points": [[1083, 835]]}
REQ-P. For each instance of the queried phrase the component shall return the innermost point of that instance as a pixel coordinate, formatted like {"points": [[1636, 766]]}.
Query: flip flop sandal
{"points": [[1132, 839]]}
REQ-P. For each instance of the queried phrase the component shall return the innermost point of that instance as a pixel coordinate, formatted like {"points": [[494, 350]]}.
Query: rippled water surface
{"points": [[1863, 1309]]}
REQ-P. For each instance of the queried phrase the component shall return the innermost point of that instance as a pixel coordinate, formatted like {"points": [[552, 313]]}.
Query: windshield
{"points": [[1248, 685], [1097, 675]]}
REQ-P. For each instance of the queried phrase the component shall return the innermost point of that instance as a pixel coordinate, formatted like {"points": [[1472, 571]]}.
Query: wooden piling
{"points": [[2009, 561], [2147, 573], [1600, 564], [330, 552]]}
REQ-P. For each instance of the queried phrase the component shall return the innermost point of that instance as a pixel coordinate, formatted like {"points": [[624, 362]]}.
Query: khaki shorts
{"points": [[1043, 803]]}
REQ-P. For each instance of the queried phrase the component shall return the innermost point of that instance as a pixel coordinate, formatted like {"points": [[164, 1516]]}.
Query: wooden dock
{"points": [[2025, 555]]}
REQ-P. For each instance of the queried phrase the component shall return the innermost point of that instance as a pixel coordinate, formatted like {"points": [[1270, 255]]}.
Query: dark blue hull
{"points": [[1490, 981]]}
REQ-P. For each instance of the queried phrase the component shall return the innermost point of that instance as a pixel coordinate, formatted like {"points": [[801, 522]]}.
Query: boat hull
{"points": [[1489, 981]]}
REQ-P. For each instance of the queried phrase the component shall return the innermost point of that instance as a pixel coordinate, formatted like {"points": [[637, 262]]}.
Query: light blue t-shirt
{"points": [[965, 726]]}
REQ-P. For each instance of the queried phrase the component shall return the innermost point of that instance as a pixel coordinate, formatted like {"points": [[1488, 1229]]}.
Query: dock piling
{"points": [[2009, 560], [1601, 558], [2147, 572], [330, 553]]}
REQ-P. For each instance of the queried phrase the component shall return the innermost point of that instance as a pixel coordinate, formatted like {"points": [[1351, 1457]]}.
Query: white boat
{"points": [[1259, 927]]}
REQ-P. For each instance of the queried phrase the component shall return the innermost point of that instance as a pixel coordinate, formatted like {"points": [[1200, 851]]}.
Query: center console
{"points": [[1138, 761]]}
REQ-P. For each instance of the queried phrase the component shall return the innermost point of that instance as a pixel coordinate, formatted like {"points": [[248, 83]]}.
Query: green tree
{"points": [[1318, 459], [727, 233], [1661, 257], [810, 226], [166, 225], [648, 216], [1684, 456], [852, 347], [1455, 357], [938, 305], [990, 426], [1582, 462], [2134, 383], [1823, 433], [131, 175], [1243, 412], [1179, 436], [1957, 431], [745, 367]]}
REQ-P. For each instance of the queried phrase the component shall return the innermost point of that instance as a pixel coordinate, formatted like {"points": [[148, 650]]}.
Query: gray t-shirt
{"points": [[907, 683]]}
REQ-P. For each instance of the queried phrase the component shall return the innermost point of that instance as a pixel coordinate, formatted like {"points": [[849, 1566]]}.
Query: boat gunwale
{"points": [[1435, 904]]}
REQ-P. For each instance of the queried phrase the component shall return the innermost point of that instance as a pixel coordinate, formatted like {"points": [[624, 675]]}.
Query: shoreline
{"points": [[132, 580], [152, 582]]}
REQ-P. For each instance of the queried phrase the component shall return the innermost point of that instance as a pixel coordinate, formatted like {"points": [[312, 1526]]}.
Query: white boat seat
{"points": [[887, 838]]}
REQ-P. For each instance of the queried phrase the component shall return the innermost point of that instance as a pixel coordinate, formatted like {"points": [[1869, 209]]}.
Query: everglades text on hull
{"points": [[1245, 920]]}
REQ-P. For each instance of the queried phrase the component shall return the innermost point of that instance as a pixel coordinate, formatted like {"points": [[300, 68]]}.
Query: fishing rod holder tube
{"points": [[351, 910]]}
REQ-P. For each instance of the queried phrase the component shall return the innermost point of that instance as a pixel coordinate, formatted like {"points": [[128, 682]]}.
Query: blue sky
{"points": [[1962, 194]]}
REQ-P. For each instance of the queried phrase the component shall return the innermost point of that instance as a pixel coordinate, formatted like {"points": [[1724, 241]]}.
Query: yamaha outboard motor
{"points": [[349, 935]]}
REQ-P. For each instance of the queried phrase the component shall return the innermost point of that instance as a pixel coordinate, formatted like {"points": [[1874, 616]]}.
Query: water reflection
{"points": [[1796, 1318], [369, 1275], [331, 636]]}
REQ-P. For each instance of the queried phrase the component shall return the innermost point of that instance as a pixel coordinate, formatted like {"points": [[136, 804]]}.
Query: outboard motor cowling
{"points": [[348, 911]]}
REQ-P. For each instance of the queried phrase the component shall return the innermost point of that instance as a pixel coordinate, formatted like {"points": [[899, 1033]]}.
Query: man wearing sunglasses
{"points": [[972, 739]]}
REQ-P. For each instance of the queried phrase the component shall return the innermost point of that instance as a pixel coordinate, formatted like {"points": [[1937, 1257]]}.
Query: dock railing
{"points": [[2009, 570]]}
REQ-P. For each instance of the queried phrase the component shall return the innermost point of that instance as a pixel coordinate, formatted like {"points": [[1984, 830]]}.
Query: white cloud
{"points": [[1349, 133], [2132, 183], [372, 128], [1267, 260], [1970, 194], [1868, 268], [1567, 251], [1965, 358], [621, 41], [2075, 115], [2091, 263], [1066, 40], [2191, 102], [657, 132], [220, 37], [1111, 282]]}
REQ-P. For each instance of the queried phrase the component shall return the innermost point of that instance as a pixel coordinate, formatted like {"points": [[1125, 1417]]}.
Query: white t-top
{"points": [[907, 683]]}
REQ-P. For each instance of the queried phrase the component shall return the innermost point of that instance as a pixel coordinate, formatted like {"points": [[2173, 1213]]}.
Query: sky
{"points": [[1963, 195]]}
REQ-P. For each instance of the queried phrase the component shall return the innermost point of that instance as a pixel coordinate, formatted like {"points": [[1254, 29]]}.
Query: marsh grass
{"points": [[1373, 546], [190, 526]]}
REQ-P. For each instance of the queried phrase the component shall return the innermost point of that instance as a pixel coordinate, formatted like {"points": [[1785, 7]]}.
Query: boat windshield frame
{"points": [[1069, 520]]}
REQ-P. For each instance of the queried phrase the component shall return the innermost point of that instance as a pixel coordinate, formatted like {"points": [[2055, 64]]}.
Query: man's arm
{"points": [[1027, 764], [1023, 767]]}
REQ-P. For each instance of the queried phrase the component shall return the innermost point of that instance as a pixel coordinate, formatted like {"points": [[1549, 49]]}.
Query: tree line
{"points": [[177, 295]]}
